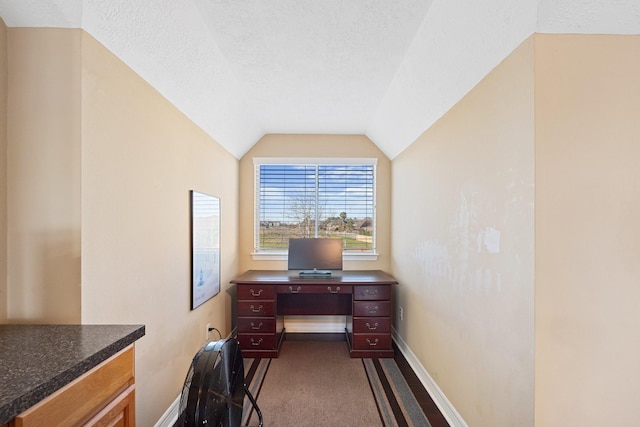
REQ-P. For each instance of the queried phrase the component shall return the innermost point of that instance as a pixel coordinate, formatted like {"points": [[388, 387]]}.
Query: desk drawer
{"points": [[256, 325], [315, 289], [371, 308], [256, 308], [257, 341], [371, 341], [262, 292], [372, 325], [380, 292]]}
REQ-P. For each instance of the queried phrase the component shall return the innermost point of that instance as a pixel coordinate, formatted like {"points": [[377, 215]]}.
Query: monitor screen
{"points": [[315, 254]]}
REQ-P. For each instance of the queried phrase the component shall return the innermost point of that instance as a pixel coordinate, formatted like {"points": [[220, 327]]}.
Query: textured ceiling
{"points": [[385, 69]]}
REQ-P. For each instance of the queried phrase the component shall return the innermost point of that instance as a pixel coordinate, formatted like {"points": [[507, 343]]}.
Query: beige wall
{"points": [[587, 231], [3, 172], [569, 105], [107, 165], [140, 158], [316, 146], [462, 247], [100, 171], [43, 176]]}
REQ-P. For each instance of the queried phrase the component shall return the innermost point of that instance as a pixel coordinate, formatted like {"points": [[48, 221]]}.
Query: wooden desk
{"points": [[265, 296]]}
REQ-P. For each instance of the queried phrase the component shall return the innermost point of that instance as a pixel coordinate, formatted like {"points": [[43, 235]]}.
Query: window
{"points": [[315, 198]]}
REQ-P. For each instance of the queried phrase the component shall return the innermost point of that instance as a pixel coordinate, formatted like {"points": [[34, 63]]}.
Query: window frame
{"points": [[266, 255]]}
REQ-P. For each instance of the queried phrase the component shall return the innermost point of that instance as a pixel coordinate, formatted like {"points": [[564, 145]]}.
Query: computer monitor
{"points": [[317, 255]]}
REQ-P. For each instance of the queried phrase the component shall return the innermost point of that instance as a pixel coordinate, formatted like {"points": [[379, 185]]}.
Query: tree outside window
{"points": [[300, 199]]}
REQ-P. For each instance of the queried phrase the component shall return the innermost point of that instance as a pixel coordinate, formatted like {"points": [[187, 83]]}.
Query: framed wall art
{"points": [[205, 248]]}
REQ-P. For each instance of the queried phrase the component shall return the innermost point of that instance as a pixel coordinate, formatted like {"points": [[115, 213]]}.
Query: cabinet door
{"points": [[371, 308], [371, 325], [256, 325], [256, 292], [371, 342], [256, 308], [314, 289], [119, 413], [83, 397], [251, 342], [374, 292]]}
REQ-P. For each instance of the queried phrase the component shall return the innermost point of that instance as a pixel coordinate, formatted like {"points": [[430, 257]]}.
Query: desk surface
{"points": [[344, 277]]}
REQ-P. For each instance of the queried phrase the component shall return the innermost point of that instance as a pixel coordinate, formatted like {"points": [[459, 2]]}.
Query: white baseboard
{"points": [[446, 408], [170, 416]]}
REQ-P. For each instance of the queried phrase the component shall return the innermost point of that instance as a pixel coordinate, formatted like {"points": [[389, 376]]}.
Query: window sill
{"points": [[279, 256]]}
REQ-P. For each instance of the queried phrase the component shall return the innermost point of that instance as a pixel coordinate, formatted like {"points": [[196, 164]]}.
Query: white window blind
{"points": [[315, 199]]}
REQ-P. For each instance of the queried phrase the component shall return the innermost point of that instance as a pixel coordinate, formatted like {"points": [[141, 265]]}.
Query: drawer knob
{"points": [[371, 292], [256, 328], [372, 310], [372, 328], [294, 291], [332, 291], [254, 293], [256, 310], [373, 343], [256, 343]]}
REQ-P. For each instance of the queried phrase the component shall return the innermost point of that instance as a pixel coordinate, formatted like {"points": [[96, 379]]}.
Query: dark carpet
{"points": [[316, 383]]}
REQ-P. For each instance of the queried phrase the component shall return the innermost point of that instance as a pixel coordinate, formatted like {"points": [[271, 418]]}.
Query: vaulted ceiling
{"points": [[385, 69]]}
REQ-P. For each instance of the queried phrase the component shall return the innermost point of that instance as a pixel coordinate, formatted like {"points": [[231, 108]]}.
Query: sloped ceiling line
{"points": [[388, 70]]}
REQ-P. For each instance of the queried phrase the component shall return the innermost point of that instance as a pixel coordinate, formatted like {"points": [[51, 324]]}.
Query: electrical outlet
{"points": [[401, 313], [207, 332]]}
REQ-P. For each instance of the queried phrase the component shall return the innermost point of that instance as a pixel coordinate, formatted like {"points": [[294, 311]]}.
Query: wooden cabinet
{"points": [[119, 413], [371, 323], [265, 297], [259, 328], [104, 396]]}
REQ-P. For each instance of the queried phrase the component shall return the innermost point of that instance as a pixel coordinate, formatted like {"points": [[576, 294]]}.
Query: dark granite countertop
{"points": [[37, 360]]}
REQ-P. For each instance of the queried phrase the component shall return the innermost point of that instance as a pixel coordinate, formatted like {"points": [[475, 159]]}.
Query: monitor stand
{"points": [[314, 273]]}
